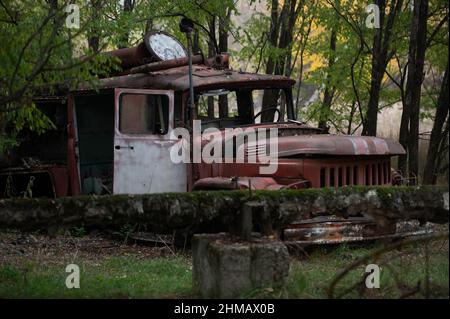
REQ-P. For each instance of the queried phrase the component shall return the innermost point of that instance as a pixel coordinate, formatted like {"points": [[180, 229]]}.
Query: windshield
{"points": [[230, 108]]}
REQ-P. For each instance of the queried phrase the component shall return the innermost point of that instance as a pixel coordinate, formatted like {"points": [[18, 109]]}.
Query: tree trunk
{"points": [[54, 10], [223, 47], [149, 25], [415, 79], [403, 139], [94, 37], [128, 6], [381, 54], [271, 95], [329, 90], [273, 34], [288, 18], [370, 125], [442, 165], [430, 171], [211, 52], [284, 30]]}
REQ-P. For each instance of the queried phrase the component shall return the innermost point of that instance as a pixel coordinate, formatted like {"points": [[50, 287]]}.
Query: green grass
{"points": [[311, 278], [117, 277], [129, 277]]}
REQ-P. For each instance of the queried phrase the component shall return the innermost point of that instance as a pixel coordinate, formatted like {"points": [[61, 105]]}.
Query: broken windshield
{"points": [[223, 108]]}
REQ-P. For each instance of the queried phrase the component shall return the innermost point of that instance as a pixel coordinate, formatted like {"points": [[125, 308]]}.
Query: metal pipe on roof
{"points": [[165, 65], [132, 57]]}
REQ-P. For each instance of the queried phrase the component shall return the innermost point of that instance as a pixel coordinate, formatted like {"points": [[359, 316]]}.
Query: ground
{"points": [[33, 265]]}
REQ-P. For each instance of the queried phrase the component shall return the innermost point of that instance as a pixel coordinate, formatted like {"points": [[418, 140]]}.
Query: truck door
{"points": [[143, 123]]}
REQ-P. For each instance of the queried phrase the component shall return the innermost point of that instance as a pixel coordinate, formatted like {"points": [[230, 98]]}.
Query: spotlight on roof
{"points": [[186, 25]]}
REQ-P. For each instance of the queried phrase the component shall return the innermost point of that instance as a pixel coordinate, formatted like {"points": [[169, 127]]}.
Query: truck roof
{"points": [[204, 77]]}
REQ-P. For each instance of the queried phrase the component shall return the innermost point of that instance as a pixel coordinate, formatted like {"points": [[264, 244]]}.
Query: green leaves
{"points": [[38, 53]]}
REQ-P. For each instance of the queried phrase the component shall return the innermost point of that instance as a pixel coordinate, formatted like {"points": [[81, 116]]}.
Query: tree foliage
{"points": [[39, 54]]}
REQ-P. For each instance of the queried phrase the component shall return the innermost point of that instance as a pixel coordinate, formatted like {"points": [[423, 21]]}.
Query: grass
{"points": [[121, 277], [311, 279], [171, 277]]}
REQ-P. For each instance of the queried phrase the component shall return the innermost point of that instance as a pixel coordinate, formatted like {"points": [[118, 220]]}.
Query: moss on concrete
{"points": [[170, 211]]}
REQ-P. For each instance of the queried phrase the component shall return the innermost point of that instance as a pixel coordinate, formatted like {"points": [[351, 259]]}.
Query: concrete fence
{"points": [[169, 211]]}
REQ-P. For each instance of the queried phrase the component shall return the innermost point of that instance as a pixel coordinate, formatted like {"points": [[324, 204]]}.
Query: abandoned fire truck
{"points": [[116, 138]]}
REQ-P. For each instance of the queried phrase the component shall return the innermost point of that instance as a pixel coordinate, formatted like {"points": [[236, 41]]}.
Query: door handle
{"points": [[118, 147]]}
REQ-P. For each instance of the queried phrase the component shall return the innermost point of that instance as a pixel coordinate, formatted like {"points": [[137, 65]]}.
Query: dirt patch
{"points": [[17, 248]]}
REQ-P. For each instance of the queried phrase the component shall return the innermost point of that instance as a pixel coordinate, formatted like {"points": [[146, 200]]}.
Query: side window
{"points": [[143, 114], [209, 104]]}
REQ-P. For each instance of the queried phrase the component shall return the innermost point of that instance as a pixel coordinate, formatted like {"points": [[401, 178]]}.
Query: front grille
{"points": [[259, 149], [373, 173]]}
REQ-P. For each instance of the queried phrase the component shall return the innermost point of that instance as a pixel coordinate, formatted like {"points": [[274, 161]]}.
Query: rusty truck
{"points": [[115, 138]]}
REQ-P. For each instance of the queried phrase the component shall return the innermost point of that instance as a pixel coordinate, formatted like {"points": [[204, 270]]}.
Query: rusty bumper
{"points": [[332, 230]]}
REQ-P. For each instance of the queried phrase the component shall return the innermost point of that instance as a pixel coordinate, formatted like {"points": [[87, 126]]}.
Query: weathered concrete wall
{"points": [[165, 212]]}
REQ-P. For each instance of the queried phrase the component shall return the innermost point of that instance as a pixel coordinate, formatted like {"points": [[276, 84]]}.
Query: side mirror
{"points": [[186, 25]]}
